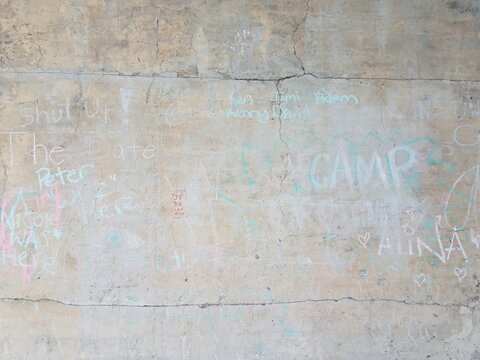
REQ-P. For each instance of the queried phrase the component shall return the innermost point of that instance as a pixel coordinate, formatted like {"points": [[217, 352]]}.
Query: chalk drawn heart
{"points": [[419, 279], [363, 239], [461, 273], [394, 269]]}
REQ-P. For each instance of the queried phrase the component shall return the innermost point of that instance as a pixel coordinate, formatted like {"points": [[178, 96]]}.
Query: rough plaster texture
{"points": [[239, 179]]}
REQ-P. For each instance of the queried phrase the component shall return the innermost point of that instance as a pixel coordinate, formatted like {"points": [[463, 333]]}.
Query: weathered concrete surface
{"points": [[275, 180], [259, 39]]}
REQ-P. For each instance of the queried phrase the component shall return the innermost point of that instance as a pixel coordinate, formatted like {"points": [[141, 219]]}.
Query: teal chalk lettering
{"points": [[394, 168], [46, 179], [321, 98]]}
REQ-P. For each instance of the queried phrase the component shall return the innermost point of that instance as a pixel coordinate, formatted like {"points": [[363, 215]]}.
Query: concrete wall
{"points": [[239, 179]]}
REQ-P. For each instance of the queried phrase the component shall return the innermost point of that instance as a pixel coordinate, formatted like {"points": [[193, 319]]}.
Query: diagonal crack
{"points": [[307, 8], [370, 301], [147, 99], [147, 94]]}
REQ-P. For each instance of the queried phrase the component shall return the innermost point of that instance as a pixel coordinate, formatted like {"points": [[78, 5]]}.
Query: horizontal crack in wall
{"points": [[220, 304], [173, 76]]}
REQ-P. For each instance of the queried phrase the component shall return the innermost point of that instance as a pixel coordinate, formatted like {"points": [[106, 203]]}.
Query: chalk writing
{"points": [[61, 176], [177, 197], [322, 98]]}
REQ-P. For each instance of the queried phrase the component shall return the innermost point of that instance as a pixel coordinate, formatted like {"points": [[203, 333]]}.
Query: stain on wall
{"points": [[239, 180]]}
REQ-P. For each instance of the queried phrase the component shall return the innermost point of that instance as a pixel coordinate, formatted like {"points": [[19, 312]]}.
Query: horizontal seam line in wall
{"points": [[220, 304], [173, 77]]}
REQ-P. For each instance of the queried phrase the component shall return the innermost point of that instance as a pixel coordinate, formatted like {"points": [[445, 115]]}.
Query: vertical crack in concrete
{"points": [[307, 9], [382, 108], [417, 196], [5, 174], [94, 206], [147, 100], [40, 60], [287, 155], [195, 52], [87, 222], [78, 100], [147, 94], [279, 102], [157, 52]]}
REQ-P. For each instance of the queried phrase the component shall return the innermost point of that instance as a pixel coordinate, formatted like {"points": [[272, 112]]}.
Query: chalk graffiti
{"points": [[363, 239], [469, 130], [355, 172], [419, 279], [322, 98], [465, 209], [30, 230], [61, 176], [460, 273], [177, 197]]}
